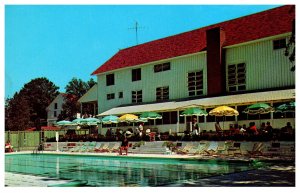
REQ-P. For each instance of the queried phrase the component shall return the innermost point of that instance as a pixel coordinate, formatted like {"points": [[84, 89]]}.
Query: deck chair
{"points": [[234, 149], [256, 150], [99, 146], [84, 147], [185, 149], [104, 148], [76, 148], [274, 150], [115, 148], [200, 149], [211, 148], [91, 146]]}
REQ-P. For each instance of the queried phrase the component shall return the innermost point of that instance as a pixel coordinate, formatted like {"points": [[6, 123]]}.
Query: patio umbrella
{"points": [[194, 111], [110, 119], [64, 123], [223, 111], [150, 115], [92, 121], [287, 107], [129, 118], [258, 108], [79, 121]]}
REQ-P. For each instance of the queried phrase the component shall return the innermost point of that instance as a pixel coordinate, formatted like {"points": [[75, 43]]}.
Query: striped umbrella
{"points": [[194, 111], [287, 107], [110, 119], [150, 115], [259, 108]]}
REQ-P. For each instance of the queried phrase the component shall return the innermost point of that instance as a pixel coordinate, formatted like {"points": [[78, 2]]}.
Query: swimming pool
{"points": [[119, 171]]}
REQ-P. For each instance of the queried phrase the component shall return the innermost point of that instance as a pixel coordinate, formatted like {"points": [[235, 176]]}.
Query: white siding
{"points": [[265, 67], [176, 79], [90, 95], [51, 108]]}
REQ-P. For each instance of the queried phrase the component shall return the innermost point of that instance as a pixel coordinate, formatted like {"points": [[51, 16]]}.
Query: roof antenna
{"points": [[136, 28]]}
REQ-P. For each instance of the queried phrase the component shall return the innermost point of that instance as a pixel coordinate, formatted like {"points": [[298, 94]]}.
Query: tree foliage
{"points": [[291, 46], [17, 113], [75, 89], [29, 105]]}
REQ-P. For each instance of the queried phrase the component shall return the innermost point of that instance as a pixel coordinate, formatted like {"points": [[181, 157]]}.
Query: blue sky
{"points": [[62, 42]]}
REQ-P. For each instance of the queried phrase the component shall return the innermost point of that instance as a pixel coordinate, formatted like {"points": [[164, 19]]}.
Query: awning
{"points": [[231, 100]]}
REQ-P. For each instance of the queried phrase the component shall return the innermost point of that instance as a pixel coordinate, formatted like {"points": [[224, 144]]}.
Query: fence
{"points": [[29, 140]]}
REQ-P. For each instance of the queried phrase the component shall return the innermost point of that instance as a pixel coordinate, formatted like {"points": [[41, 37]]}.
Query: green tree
{"points": [[291, 46], [75, 89], [17, 113], [40, 92], [34, 97]]}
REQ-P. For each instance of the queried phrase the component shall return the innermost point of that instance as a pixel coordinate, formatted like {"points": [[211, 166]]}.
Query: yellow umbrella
{"points": [[129, 118], [223, 111]]}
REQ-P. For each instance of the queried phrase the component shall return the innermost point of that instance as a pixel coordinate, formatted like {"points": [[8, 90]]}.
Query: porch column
{"points": [[236, 117], [80, 109], [272, 115], [177, 126], [205, 121], [94, 109]]}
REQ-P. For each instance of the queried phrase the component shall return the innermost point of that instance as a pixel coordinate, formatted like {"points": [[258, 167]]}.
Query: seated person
{"points": [[269, 129], [232, 130], [262, 128], [218, 128], [8, 147], [124, 145], [287, 129], [253, 129]]}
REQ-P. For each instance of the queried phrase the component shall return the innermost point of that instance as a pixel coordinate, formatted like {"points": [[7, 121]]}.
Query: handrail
{"points": [[38, 149]]}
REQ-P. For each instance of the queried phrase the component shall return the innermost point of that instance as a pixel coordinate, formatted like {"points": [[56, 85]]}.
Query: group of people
{"points": [[265, 129]]}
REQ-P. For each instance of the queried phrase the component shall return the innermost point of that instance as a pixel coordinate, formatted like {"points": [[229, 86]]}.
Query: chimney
{"points": [[216, 69]]}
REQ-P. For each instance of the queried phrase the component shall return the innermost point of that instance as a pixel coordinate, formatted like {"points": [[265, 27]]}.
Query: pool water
{"points": [[119, 171]]}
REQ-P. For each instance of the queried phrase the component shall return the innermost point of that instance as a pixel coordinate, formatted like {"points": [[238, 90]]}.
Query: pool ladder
{"points": [[37, 150]]}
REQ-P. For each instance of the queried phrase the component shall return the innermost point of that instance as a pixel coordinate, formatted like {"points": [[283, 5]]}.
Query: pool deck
{"points": [[280, 174]]}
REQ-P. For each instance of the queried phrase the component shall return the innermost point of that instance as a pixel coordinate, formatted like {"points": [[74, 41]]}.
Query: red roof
{"points": [[264, 24]]}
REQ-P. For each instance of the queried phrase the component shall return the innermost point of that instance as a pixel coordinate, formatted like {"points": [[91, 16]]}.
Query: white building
{"points": [[54, 109], [235, 63]]}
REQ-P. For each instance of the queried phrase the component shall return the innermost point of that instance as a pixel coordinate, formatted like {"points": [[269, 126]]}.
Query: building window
{"points": [[55, 105], [136, 74], [110, 96], [279, 44], [120, 95], [236, 79], [162, 93], [137, 96], [110, 79], [195, 83], [55, 115], [162, 67]]}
